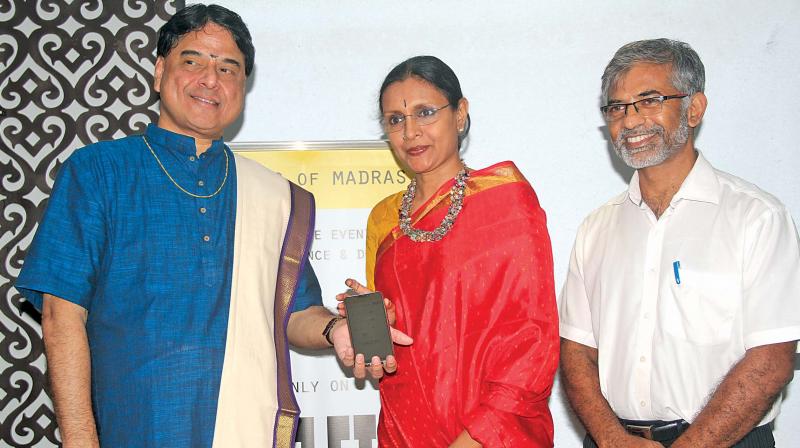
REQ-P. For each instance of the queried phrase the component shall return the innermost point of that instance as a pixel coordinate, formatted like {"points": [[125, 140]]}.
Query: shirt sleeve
{"points": [[67, 250], [308, 292], [575, 315], [771, 280]]}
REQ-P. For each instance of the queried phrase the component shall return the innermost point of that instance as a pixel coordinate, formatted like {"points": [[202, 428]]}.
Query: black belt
{"points": [[657, 430], [667, 432]]}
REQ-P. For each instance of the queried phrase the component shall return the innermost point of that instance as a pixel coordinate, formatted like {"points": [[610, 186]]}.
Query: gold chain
{"points": [[201, 196]]}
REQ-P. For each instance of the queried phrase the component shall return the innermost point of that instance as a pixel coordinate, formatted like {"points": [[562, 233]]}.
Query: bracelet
{"points": [[328, 328]]}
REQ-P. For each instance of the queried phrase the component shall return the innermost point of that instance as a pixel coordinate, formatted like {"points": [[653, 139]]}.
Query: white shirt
{"points": [[665, 340]]}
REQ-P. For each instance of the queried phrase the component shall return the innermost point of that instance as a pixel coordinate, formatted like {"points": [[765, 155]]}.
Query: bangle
{"points": [[328, 328]]}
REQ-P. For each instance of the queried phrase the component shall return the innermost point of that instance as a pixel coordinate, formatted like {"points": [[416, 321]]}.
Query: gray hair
{"points": [[688, 73]]}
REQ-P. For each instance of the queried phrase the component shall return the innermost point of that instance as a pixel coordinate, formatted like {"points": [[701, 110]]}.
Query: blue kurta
{"points": [[152, 265]]}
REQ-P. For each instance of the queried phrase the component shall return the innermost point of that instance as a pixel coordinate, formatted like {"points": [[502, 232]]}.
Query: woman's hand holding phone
{"points": [[367, 330]]}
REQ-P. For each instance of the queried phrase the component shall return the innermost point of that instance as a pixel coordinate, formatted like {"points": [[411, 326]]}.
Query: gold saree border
{"points": [[293, 257], [479, 181]]}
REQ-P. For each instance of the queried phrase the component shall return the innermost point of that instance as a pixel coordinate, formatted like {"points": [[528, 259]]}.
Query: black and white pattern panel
{"points": [[71, 73]]}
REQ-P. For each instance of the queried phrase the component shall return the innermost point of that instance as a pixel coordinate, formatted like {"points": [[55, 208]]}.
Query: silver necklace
{"points": [[201, 196], [456, 203]]}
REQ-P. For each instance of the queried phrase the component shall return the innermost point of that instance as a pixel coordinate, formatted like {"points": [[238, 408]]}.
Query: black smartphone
{"points": [[369, 328]]}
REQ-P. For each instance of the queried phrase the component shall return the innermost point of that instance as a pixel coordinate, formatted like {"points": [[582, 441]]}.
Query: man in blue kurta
{"points": [[161, 264]]}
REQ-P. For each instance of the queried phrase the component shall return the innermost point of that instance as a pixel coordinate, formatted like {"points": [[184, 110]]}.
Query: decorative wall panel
{"points": [[71, 73]]}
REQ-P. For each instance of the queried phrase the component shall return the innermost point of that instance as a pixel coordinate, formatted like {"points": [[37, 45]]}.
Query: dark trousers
{"points": [[759, 437]]}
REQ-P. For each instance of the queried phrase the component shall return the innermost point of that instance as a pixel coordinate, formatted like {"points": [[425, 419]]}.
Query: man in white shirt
{"points": [[679, 315]]}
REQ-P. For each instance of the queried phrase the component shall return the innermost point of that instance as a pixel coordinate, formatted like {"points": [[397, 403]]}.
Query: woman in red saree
{"points": [[470, 277]]}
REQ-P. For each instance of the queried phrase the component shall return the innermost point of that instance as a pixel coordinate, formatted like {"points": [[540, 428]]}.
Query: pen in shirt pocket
{"points": [[676, 269]]}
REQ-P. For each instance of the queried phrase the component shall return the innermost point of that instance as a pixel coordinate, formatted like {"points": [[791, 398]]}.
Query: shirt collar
{"points": [[180, 143], [700, 185]]}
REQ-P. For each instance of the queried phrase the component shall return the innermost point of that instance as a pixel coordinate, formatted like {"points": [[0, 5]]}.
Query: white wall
{"points": [[531, 71]]}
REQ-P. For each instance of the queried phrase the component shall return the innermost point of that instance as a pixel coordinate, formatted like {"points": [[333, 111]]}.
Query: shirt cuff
{"points": [[34, 293], [577, 335], [36, 298], [772, 336]]}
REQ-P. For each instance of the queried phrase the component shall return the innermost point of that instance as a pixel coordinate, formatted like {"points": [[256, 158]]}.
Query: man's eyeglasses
{"points": [[424, 116], [646, 107]]}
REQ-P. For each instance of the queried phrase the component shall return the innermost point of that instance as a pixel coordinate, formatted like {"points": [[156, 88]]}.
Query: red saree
{"points": [[480, 305]]}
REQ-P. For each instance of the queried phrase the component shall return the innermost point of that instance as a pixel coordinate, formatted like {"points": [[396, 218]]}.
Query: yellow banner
{"points": [[340, 175]]}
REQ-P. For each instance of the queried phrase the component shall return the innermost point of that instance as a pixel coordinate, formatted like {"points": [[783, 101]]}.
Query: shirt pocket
{"points": [[702, 308]]}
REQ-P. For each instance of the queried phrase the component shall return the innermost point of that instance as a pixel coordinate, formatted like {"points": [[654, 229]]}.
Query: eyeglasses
{"points": [[424, 116], [646, 107]]}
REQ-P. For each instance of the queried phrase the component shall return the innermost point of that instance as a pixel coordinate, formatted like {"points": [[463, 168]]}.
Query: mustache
{"points": [[654, 129]]}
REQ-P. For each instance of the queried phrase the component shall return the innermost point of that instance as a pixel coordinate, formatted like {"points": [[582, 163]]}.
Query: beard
{"points": [[654, 153]]}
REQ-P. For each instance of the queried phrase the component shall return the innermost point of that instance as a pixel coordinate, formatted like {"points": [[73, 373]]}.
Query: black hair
{"points": [[194, 18], [433, 71]]}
